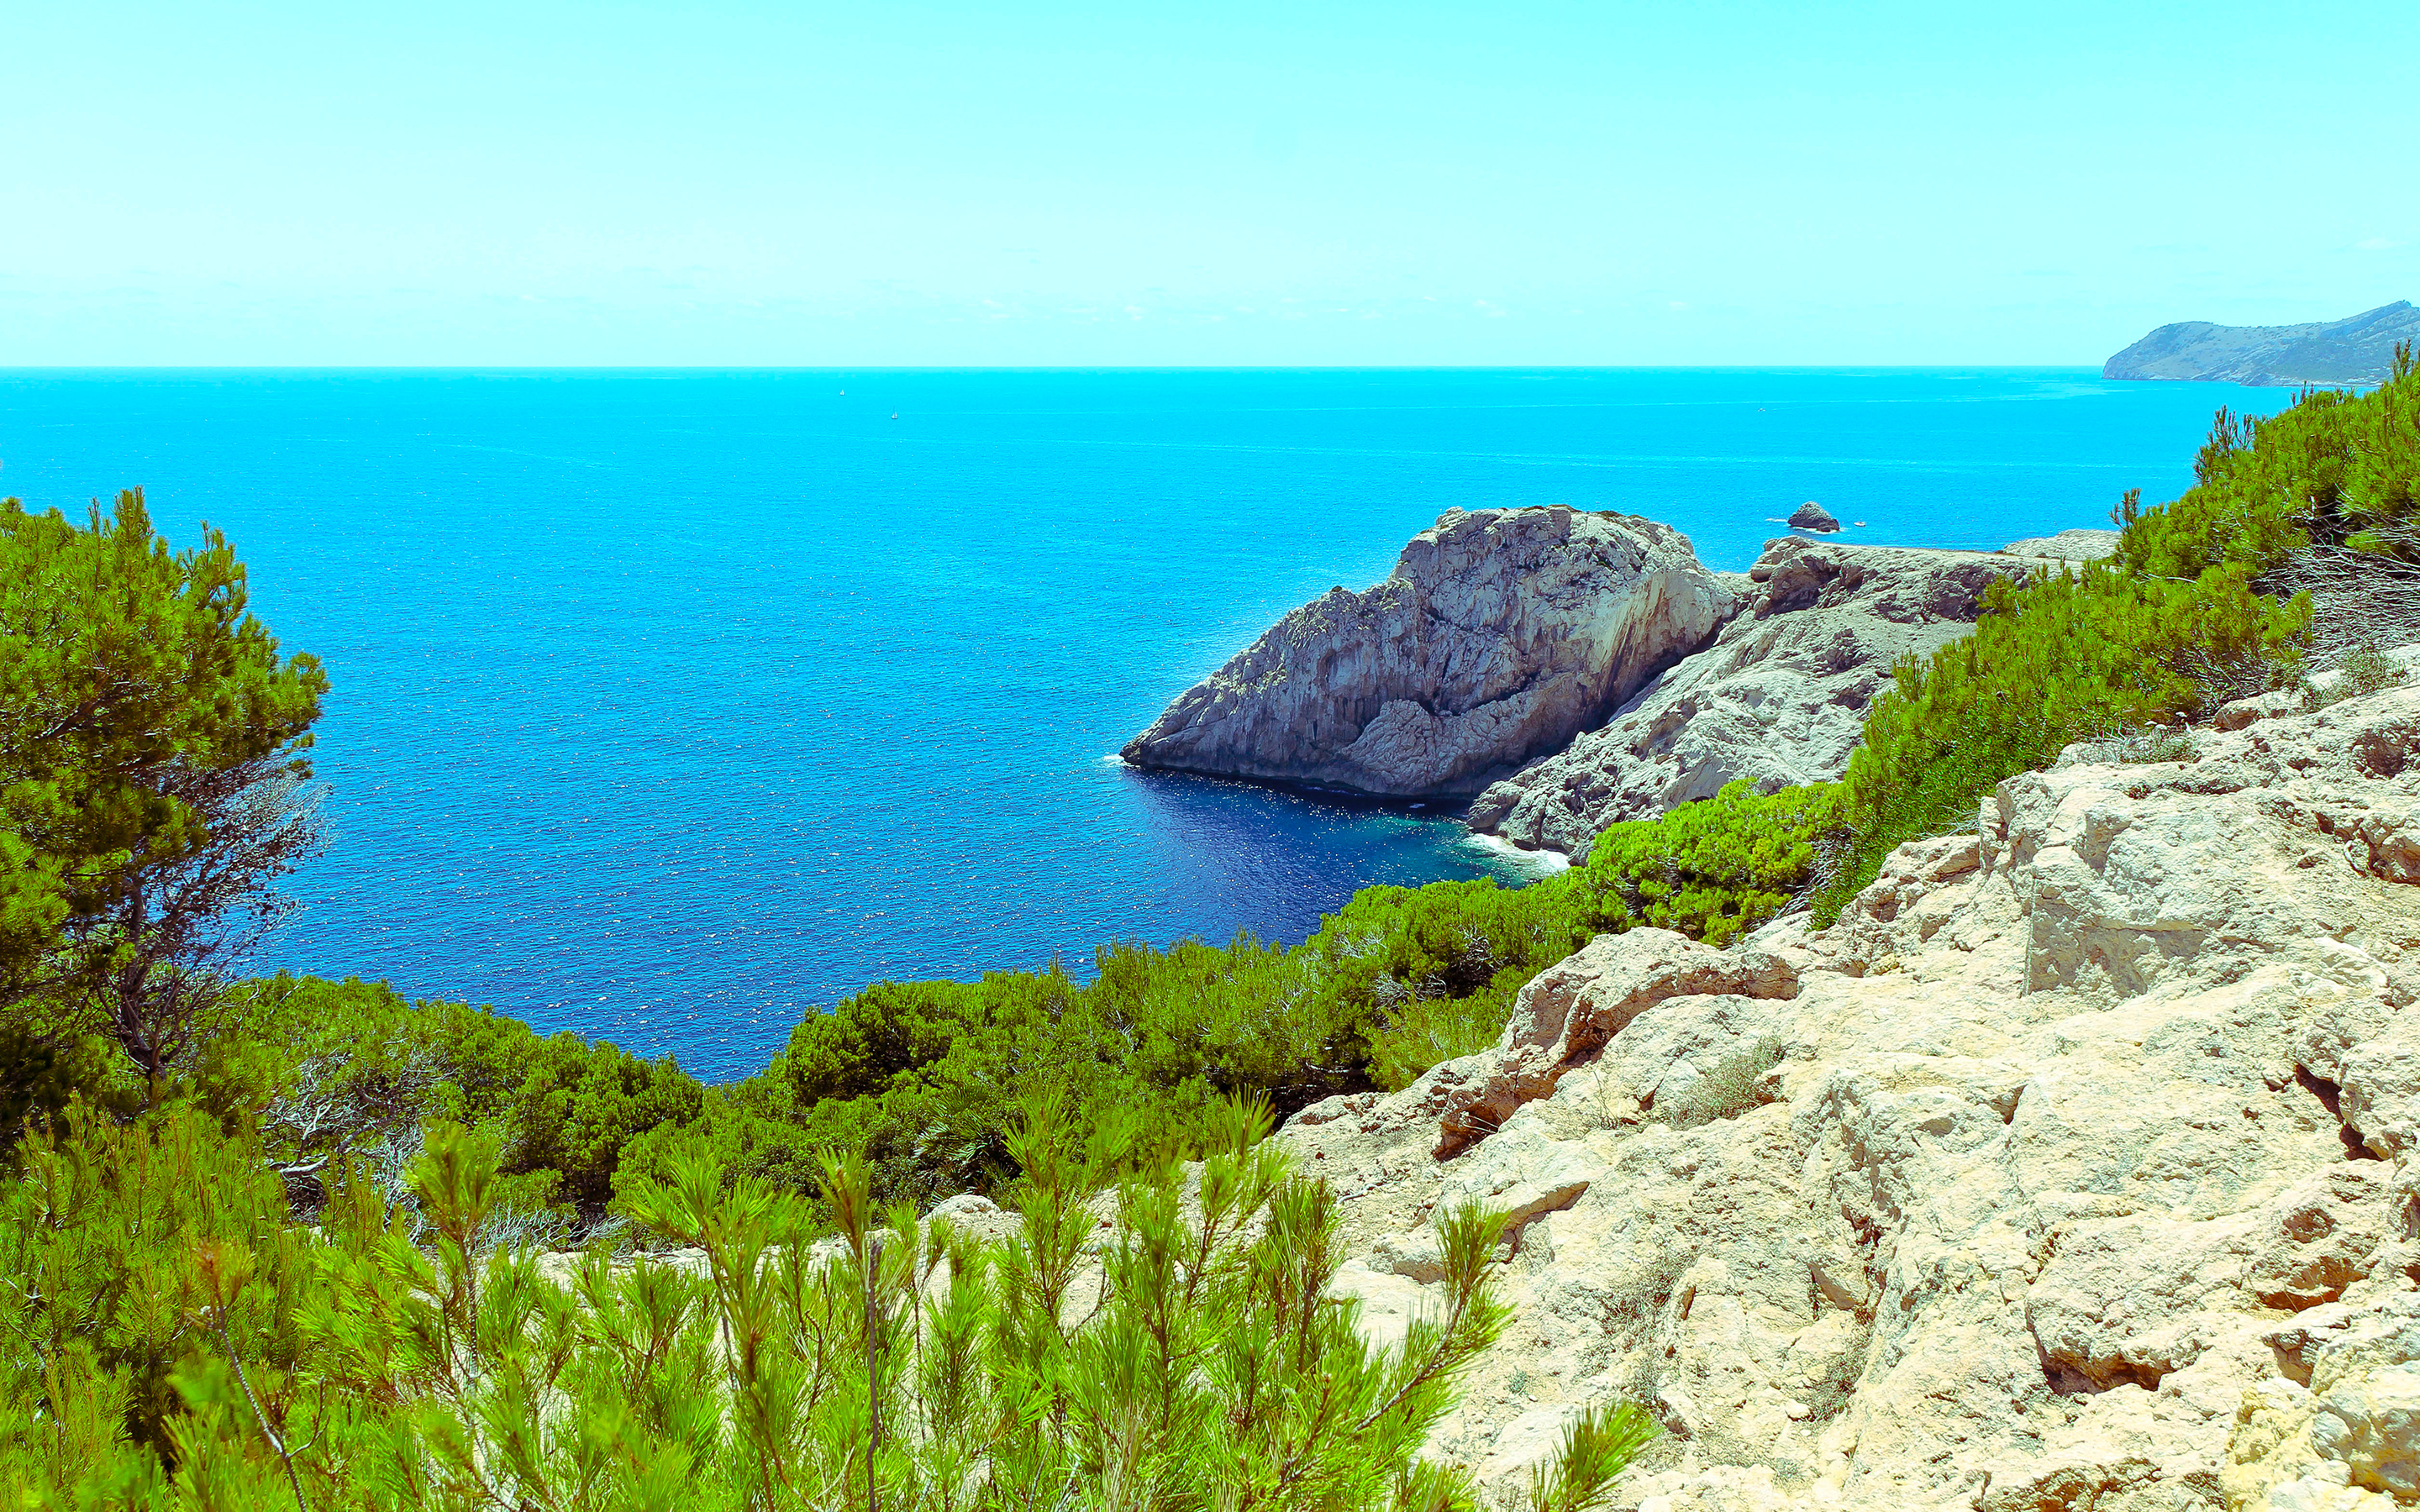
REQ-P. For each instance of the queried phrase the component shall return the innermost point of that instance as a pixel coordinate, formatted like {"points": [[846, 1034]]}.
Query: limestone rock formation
{"points": [[1812, 516], [1780, 698], [2067, 546], [2076, 1167], [2357, 349], [1500, 634]]}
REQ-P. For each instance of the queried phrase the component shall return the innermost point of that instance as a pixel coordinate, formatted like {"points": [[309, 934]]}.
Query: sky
{"points": [[1122, 184]]}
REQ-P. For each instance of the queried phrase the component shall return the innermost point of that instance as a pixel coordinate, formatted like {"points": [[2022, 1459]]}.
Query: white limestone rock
{"points": [[2067, 546], [1780, 698], [1500, 634], [2089, 1173]]}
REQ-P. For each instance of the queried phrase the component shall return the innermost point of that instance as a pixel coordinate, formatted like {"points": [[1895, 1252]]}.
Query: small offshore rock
{"points": [[1812, 516]]}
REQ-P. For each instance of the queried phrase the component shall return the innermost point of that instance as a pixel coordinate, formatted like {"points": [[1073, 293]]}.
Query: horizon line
{"points": [[1061, 367]]}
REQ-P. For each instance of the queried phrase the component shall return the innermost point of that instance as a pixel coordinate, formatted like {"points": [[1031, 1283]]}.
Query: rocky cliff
{"points": [[1780, 698], [2074, 1168], [1500, 634], [2357, 349]]}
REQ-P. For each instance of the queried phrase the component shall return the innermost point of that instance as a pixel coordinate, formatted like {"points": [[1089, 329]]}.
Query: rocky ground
{"points": [[2072, 1168], [1779, 697]]}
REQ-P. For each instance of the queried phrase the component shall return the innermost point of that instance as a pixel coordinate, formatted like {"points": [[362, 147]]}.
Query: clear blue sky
{"points": [[1131, 183]]}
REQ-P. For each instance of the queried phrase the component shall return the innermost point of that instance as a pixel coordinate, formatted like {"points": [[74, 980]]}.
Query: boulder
{"points": [[1501, 634], [1780, 698], [1812, 516]]}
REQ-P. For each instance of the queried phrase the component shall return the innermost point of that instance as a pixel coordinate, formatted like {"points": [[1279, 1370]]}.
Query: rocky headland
{"points": [[1501, 634], [1566, 669], [2357, 349], [2073, 1168]]}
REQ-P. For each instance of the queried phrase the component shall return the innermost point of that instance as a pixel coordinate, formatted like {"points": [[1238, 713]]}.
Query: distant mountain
{"points": [[2353, 350]]}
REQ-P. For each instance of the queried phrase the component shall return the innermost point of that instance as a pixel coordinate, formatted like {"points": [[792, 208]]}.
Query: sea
{"points": [[671, 706]]}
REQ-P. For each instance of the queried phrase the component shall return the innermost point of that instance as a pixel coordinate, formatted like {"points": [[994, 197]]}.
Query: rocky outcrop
{"points": [[2075, 1167], [2067, 546], [1778, 699], [1812, 516], [2357, 349], [1500, 634]]}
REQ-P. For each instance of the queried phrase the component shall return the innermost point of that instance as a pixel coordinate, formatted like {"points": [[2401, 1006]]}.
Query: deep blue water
{"points": [[668, 705]]}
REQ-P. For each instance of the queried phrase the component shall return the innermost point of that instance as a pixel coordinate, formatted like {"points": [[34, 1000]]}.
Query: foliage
{"points": [[330, 1071], [212, 1354], [2366, 670], [99, 1239], [927, 1077], [2172, 625], [1594, 1449], [2159, 744], [1716, 870], [2058, 659], [2329, 469], [1729, 1088], [1426, 1030], [152, 774]]}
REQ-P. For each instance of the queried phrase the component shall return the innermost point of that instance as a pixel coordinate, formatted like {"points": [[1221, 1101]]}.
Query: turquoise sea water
{"points": [[668, 705]]}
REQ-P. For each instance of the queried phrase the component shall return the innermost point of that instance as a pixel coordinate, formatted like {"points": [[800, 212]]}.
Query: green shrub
{"points": [[2173, 625], [2056, 659], [182, 1342], [2326, 471], [350, 1067], [1714, 870], [2366, 670], [2157, 745], [1731, 1086], [1420, 1032]]}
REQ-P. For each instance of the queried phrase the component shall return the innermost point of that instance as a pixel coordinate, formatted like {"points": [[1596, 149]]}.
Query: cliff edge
{"points": [[2357, 349]]}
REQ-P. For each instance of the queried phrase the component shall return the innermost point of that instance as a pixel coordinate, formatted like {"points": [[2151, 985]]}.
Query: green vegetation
{"points": [[151, 778], [1712, 870], [178, 1340], [187, 1335], [2332, 469], [2366, 670], [1725, 1089], [2061, 658], [2175, 624]]}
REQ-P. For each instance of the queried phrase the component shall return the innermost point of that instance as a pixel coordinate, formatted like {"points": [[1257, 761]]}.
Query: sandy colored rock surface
{"points": [[1500, 634], [2072, 1168], [1780, 698], [2067, 546]]}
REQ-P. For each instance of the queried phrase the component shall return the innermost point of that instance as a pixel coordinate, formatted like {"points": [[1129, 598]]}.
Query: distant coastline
{"points": [[2358, 351]]}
